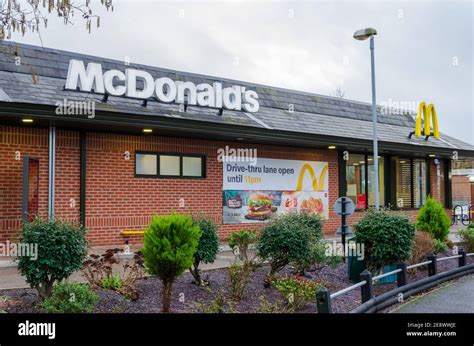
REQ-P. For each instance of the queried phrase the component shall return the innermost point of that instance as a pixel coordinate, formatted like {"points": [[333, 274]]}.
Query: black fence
{"points": [[372, 304]]}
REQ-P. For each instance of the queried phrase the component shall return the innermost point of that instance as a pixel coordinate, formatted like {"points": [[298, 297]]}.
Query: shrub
{"points": [[449, 243], [297, 290], [319, 259], [208, 246], [112, 282], [387, 238], [267, 307], [61, 249], [240, 276], [440, 245], [98, 271], [289, 238], [432, 218], [218, 305], [169, 245], [240, 242], [70, 297], [467, 237], [423, 246]]}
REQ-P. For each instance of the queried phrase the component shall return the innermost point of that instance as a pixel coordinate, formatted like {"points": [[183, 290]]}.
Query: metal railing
{"points": [[370, 303]]}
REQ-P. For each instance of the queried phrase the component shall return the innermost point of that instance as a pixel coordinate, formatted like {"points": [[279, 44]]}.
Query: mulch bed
{"points": [[186, 294]]}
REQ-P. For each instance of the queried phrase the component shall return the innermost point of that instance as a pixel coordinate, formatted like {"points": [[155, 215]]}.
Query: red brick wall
{"points": [[26, 141], [116, 200], [67, 185], [461, 188]]}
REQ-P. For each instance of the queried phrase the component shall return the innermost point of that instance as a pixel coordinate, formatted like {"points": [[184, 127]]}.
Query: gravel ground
{"points": [[186, 294]]}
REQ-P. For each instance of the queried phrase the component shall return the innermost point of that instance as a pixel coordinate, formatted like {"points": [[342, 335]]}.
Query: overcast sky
{"points": [[424, 50]]}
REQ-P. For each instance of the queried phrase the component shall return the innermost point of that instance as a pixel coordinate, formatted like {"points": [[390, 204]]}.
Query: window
{"points": [[192, 166], [145, 164], [370, 181], [164, 165], [360, 175], [403, 183], [411, 182], [419, 182], [169, 165], [355, 180], [441, 182]]}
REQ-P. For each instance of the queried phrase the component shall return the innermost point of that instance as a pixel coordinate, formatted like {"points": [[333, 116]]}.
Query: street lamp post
{"points": [[362, 35]]}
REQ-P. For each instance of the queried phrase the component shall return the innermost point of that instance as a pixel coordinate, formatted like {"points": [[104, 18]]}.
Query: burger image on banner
{"points": [[260, 206]]}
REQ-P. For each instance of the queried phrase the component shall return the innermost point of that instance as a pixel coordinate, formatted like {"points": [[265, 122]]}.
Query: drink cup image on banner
{"points": [[254, 193]]}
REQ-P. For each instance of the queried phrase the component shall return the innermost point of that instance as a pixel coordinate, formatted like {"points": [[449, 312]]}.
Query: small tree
{"points": [[208, 246], [423, 245], [387, 238], [169, 245], [61, 249], [289, 238], [432, 218], [240, 242]]}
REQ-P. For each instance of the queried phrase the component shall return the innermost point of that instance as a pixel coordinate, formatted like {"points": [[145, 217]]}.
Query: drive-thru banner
{"points": [[253, 192]]}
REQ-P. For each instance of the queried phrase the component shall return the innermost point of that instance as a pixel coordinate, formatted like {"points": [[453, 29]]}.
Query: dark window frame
{"points": [[390, 174], [177, 154], [412, 181], [343, 176]]}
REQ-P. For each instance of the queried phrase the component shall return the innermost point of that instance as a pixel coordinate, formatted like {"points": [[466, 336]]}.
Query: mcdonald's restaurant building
{"points": [[109, 144]]}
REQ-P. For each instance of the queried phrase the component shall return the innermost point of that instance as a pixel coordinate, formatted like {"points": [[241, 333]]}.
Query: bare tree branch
{"points": [[27, 15]]}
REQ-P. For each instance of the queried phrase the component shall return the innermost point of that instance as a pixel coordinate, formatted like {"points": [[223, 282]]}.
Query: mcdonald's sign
{"points": [[426, 114], [317, 185]]}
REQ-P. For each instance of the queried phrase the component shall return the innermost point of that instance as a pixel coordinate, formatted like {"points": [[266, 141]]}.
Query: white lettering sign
{"points": [[117, 83]]}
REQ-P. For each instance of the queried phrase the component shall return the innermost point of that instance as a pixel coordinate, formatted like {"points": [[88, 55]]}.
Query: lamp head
{"points": [[364, 34]]}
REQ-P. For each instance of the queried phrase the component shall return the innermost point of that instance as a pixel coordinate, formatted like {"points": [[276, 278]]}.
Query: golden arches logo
{"points": [[425, 113], [317, 186]]}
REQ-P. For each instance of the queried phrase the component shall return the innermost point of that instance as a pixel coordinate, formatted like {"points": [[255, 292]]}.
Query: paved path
{"points": [[455, 297]]}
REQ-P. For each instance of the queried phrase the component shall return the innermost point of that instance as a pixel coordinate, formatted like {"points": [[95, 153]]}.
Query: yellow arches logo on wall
{"points": [[425, 114], [317, 185]]}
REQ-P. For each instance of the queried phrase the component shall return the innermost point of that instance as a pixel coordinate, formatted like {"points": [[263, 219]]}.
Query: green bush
{"points": [[278, 307], [208, 246], [387, 238], [432, 218], [70, 297], [218, 305], [240, 242], [297, 291], [169, 245], [319, 259], [112, 282], [61, 249], [467, 237], [440, 246], [289, 238], [240, 276]]}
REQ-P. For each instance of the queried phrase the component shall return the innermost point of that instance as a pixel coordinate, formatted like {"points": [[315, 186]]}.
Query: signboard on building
{"points": [[117, 83], [254, 192]]}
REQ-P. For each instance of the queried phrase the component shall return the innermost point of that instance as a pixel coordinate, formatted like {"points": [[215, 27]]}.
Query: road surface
{"points": [[455, 297]]}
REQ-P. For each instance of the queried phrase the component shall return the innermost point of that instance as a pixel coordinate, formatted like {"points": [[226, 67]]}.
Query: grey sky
{"points": [[424, 50]]}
